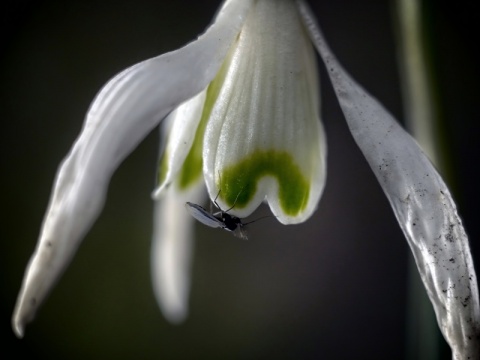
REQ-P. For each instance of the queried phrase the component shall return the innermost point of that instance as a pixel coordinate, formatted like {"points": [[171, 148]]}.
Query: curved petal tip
{"points": [[172, 251], [18, 326]]}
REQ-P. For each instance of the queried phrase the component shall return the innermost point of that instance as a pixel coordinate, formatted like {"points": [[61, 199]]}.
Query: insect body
{"points": [[221, 219]]}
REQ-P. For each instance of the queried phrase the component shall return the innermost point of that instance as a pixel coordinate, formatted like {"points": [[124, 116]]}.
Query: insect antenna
{"points": [[234, 203], [260, 218]]}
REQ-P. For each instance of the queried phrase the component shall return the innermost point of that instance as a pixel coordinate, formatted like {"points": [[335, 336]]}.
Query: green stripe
{"points": [[193, 165], [239, 182]]}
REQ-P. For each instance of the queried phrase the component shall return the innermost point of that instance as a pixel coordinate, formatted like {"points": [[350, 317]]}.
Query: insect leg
{"points": [[234, 201]]}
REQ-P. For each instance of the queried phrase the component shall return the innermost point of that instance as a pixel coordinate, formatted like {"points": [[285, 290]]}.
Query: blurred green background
{"points": [[332, 288]]}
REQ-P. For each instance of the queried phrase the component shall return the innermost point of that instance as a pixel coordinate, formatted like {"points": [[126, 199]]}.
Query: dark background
{"points": [[334, 287]]}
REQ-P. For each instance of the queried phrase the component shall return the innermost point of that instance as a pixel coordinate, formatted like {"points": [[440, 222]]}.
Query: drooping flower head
{"points": [[240, 107], [254, 133]]}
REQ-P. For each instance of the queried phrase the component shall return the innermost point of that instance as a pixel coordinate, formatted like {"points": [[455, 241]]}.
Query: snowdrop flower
{"points": [[240, 110]]}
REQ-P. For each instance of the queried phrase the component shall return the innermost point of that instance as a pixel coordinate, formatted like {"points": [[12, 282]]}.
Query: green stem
{"points": [[422, 120]]}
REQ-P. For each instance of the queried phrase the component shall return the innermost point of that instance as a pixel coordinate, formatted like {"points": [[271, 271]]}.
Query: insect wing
{"points": [[241, 232], [203, 215]]}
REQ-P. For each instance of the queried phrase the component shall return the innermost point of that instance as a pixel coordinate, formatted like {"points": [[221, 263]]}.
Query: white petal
{"points": [[184, 122], [264, 138], [421, 202], [124, 111], [172, 248]]}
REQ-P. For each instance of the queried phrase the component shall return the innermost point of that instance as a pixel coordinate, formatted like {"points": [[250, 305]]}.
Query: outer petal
{"points": [[124, 111], [421, 202], [172, 248], [264, 138]]}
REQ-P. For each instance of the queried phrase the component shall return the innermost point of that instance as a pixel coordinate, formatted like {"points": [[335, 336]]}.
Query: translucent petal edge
{"points": [[421, 201]]}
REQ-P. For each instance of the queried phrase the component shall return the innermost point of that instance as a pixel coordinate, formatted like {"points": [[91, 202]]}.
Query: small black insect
{"points": [[220, 219]]}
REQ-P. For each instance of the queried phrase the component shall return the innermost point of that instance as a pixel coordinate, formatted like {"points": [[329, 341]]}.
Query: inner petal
{"points": [[264, 138]]}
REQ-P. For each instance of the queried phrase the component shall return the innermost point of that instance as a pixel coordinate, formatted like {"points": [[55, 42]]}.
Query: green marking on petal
{"points": [[239, 182], [162, 168], [193, 165]]}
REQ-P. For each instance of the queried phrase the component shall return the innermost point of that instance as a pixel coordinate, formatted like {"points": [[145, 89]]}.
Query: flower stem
{"points": [[423, 122]]}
